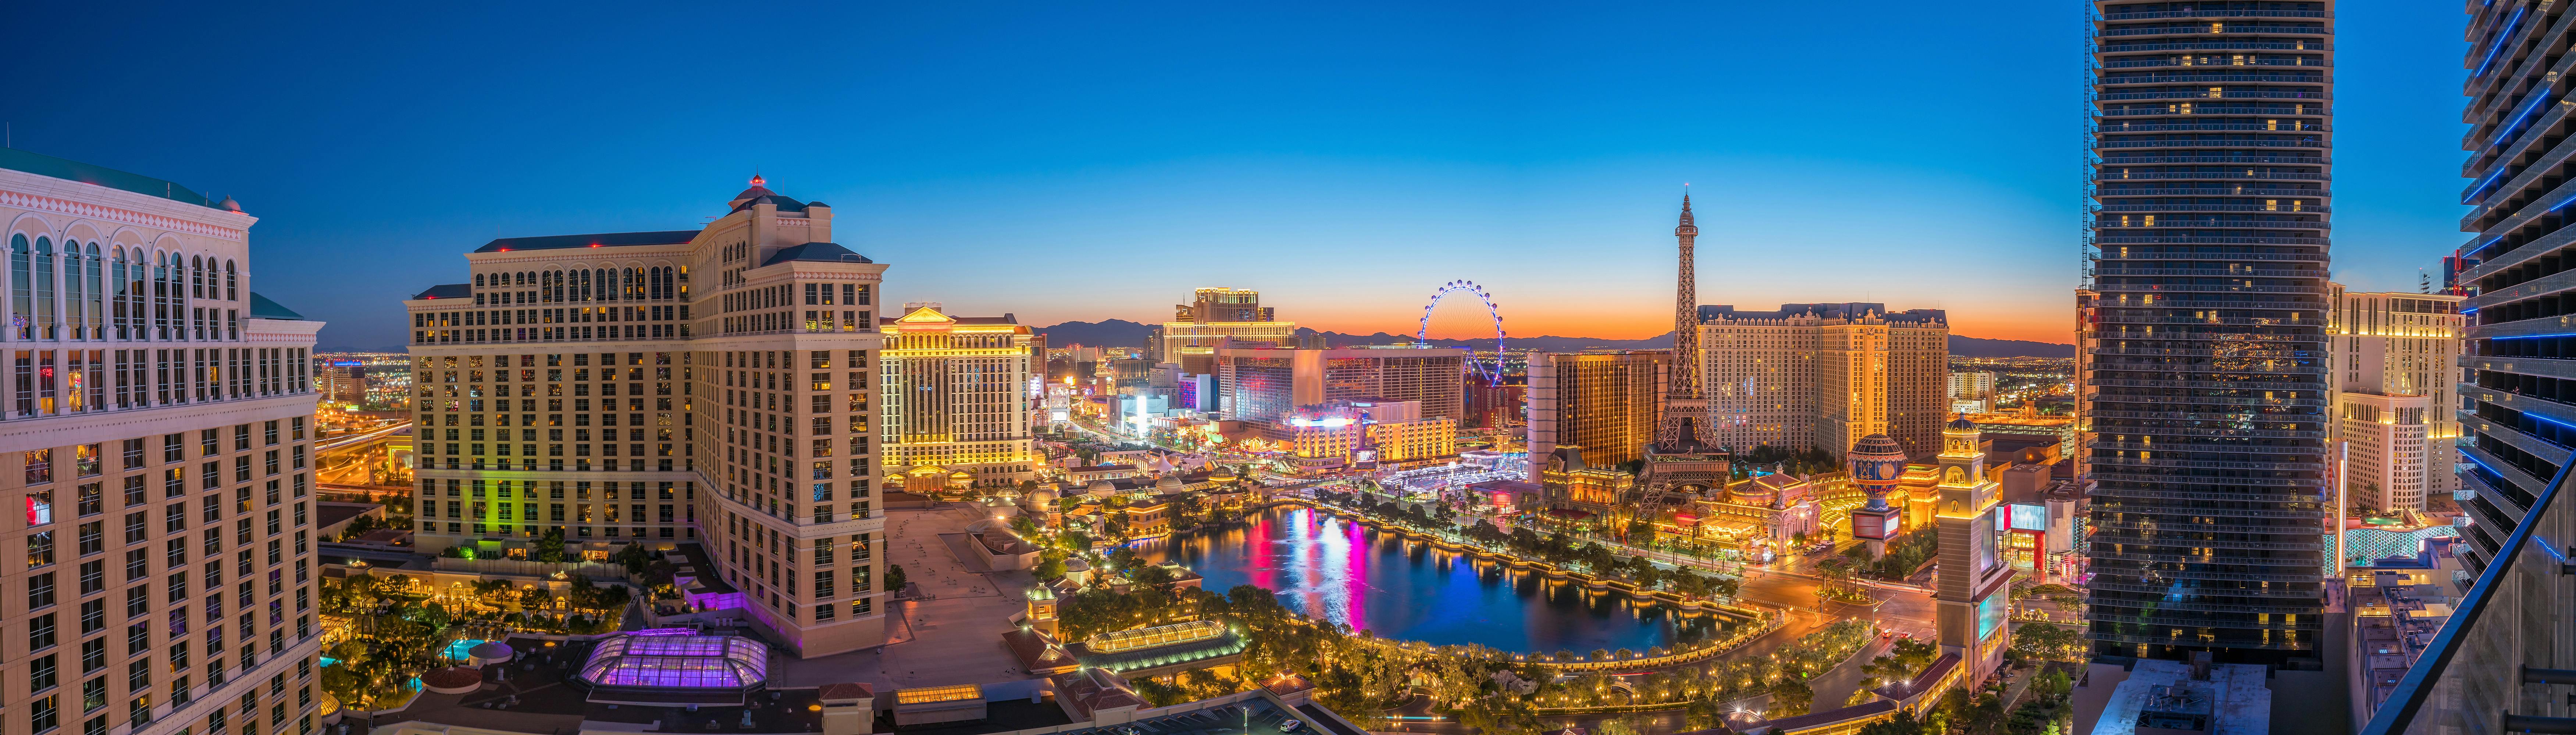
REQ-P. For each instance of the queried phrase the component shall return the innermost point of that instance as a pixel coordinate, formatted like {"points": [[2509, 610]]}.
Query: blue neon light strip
{"points": [[2478, 193], [2473, 459], [2500, 39], [2519, 118], [2543, 418], [2533, 336]]}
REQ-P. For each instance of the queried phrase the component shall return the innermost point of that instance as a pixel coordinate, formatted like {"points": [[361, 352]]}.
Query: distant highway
{"points": [[363, 438]]}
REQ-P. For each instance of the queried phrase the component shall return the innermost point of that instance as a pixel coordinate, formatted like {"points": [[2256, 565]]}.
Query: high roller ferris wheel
{"points": [[1422, 336]]}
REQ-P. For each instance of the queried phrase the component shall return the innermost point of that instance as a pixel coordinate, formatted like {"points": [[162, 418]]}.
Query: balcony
{"points": [[2296, 126], [2206, 480], [2144, 254], [2123, 270], [2204, 143], [2219, 191], [2217, 13], [2211, 78], [2259, 160], [2106, 536], [2202, 94], [2214, 29], [2116, 491], [2209, 223], [2547, 326], [2190, 109], [2206, 463], [2100, 552], [2115, 572], [2118, 318], [2123, 288], [2235, 385], [2499, 650], [2207, 175], [2227, 45]]}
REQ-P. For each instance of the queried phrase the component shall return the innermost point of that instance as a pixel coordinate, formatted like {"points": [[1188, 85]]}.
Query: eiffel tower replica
{"points": [[1681, 463]]}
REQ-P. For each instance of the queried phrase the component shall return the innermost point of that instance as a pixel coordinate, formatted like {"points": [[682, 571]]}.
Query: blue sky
{"points": [[1093, 161]]}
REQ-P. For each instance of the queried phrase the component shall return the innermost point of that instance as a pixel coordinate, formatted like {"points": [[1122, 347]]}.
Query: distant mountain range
{"points": [[1123, 333]]}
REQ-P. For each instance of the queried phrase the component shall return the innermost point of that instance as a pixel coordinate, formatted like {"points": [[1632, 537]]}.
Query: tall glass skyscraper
{"points": [[2523, 391], [2203, 351]]}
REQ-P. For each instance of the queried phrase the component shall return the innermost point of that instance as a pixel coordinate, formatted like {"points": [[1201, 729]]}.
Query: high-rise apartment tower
{"points": [[2522, 393], [2203, 350]]}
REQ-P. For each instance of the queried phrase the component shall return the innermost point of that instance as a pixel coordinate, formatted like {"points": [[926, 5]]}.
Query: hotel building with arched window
{"points": [[157, 438], [708, 393]]}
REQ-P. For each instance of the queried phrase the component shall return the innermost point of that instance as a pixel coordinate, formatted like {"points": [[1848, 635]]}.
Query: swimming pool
{"points": [[461, 648]]}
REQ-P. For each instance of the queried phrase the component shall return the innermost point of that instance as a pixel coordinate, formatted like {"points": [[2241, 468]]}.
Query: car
{"points": [[1290, 725]]}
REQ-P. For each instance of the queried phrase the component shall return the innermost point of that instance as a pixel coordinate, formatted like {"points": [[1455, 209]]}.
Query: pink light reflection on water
{"points": [[1261, 562], [1355, 576]]}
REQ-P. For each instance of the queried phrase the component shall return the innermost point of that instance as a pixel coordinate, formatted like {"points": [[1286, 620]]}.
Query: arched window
{"points": [[196, 277], [22, 307], [47, 324], [135, 293], [96, 268], [232, 282], [116, 272], [161, 294], [74, 313]]}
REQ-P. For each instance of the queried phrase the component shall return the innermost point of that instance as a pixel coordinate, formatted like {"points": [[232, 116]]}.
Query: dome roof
{"points": [[452, 677], [490, 650], [1877, 445], [1962, 423], [677, 662], [1076, 564]]}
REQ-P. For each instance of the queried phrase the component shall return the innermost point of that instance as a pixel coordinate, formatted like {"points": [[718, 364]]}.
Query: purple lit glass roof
{"points": [[677, 662]]}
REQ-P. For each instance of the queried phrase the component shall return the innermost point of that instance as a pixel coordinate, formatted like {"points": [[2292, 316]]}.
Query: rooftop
{"points": [[95, 175], [1826, 312], [262, 308], [824, 252], [446, 291], [2233, 700], [600, 240]]}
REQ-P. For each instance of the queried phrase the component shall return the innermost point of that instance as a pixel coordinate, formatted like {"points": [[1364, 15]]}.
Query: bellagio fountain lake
{"points": [[1330, 568]]}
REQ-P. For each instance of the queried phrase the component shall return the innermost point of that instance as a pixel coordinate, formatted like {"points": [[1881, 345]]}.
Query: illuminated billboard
{"points": [[2029, 517]]}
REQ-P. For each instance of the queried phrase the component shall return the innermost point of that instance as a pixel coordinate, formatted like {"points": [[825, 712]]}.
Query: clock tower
{"points": [[1970, 607]]}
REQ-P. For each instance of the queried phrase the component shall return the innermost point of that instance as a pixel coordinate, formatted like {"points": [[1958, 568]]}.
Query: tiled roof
{"points": [[69, 170], [447, 291], [817, 251], [262, 308]]}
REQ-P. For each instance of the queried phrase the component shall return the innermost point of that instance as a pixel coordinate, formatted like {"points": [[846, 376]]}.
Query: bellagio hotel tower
{"points": [[710, 393], [158, 432]]}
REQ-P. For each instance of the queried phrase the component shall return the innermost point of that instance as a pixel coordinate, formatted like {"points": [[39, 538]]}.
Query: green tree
{"points": [[1790, 696], [550, 547], [894, 578]]}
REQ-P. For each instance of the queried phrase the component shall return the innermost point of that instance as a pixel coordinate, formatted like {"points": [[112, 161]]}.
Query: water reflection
{"points": [[1331, 568]]}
